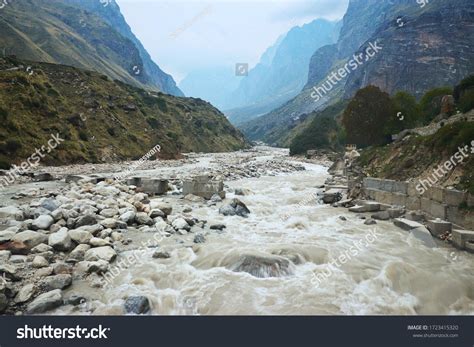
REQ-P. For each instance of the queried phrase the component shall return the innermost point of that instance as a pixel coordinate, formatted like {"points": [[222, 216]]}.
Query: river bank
{"points": [[181, 255]]}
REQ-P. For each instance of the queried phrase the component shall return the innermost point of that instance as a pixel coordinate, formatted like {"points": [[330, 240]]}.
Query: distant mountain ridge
{"points": [[423, 48], [88, 34]]}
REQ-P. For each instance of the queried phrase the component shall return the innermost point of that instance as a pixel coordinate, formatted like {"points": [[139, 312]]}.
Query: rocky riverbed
{"points": [[268, 247]]}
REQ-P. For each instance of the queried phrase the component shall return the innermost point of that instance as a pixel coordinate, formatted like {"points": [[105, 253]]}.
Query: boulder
{"points": [[199, 238], [109, 223], [161, 255], [78, 253], [235, 208], [57, 282], [80, 235], [143, 219], [98, 242], [263, 267], [382, 215], [438, 227], [25, 293], [165, 207], [42, 222], [128, 217], [39, 262], [109, 212], [61, 240], [137, 305], [49, 204], [46, 302], [106, 253], [30, 238], [181, 224], [88, 219]]}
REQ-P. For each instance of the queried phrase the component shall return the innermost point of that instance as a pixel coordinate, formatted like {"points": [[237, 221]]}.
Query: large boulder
{"points": [[80, 235], [235, 208], [61, 240], [42, 222], [263, 267], [30, 238], [46, 302], [106, 253], [12, 212], [137, 305], [57, 281]]}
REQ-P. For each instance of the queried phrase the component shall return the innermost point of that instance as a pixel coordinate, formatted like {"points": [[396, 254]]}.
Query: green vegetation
{"points": [[366, 117], [100, 118], [430, 103], [464, 94]]}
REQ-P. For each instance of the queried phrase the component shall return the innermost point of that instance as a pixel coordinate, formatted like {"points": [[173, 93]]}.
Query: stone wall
{"points": [[437, 202]]}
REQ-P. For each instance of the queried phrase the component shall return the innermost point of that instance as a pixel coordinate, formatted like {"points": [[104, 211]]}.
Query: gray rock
{"points": [[3, 302], [161, 255], [57, 282], [128, 217], [143, 219], [80, 235], [78, 253], [109, 212], [370, 222], [109, 223], [86, 220], [30, 238], [46, 302], [137, 305], [235, 208], [382, 215], [218, 227], [49, 204], [6, 236], [199, 238], [39, 262], [263, 267], [181, 224], [163, 206], [98, 242], [25, 293], [41, 248], [9, 271], [42, 222], [61, 240], [106, 253], [4, 256], [157, 213]]}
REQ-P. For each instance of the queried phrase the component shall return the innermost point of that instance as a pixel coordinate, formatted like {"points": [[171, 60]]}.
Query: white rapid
{"points": [[391, 274]]}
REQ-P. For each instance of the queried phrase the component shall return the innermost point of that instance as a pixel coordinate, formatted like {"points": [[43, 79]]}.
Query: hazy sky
{"points": [[186, 35]]}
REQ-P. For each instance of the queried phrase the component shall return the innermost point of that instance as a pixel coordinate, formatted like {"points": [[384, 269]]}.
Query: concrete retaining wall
{"points": [[438, 202]]}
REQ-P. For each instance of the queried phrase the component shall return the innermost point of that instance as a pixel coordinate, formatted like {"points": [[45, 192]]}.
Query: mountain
{"points": [[422, 47], [214, 84], [282, 71], [101, 120], [87, 34]]}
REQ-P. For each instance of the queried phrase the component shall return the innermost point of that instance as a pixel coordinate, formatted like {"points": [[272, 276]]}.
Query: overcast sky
{"points": [[185, 35]]}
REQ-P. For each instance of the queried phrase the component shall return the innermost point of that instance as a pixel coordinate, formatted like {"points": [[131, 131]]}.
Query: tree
{"points": [[366, 117], [464, 94], [430, 103], [407, 114]]}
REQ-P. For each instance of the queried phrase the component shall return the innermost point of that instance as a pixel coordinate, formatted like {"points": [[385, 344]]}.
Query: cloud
{"points": [[327, 9]]}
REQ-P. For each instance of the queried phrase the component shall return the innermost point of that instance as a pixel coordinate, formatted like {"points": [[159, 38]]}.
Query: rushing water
{"points": [[392, 274]]}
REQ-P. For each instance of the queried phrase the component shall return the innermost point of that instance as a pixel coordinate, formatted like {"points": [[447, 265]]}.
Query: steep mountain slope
{"points": [[423, 47], [87, 34], [101, 120], [282, 72]]}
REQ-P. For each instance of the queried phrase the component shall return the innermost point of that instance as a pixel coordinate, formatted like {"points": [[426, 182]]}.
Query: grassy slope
{"points": [[101, 119], [417, 156]]}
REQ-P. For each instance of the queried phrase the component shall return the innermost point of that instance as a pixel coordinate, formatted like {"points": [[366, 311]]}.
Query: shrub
{"points": [[430, 103]]}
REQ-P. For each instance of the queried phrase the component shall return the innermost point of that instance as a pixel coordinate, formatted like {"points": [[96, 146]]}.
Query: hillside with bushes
{"points": [[100, 119]]}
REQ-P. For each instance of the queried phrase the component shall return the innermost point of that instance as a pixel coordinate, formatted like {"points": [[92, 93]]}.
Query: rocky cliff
{"points": [[423, 47]]}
